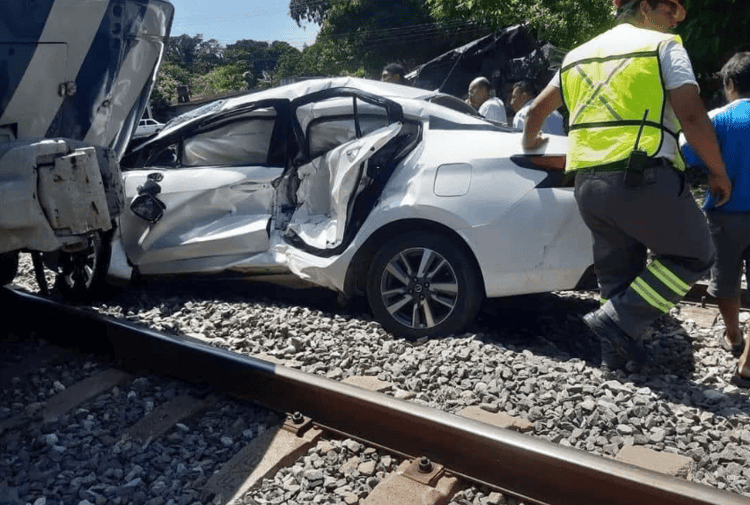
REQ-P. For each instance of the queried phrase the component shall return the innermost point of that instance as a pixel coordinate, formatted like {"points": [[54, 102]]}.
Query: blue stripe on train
{"points": [[21, 26], [96, 77]]}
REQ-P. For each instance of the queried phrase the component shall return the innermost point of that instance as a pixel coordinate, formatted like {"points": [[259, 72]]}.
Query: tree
{"points": [[305, 10], [367, 34], [322, 59], [259, 57], [209, 54], [711, 36], [565, 23], [165, 89], [181, 49], [222, 79]]}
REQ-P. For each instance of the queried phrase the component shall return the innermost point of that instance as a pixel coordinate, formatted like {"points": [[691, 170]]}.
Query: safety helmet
{"points": [[679, 14]]}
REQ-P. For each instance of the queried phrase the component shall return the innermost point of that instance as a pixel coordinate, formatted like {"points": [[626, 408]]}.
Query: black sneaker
{"points": [[617, 346]]}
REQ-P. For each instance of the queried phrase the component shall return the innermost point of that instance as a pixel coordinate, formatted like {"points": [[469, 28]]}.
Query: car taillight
{"points": [[548, 162]]}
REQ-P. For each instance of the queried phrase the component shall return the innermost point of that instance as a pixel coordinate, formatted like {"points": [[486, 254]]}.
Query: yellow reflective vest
{"points": [[608, 84]]}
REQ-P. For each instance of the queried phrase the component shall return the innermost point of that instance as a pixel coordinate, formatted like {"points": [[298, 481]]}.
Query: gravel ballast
{"points": [[530, 357]]}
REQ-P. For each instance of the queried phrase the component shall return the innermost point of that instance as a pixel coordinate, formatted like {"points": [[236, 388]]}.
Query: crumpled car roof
{"points": [[292, 92]]}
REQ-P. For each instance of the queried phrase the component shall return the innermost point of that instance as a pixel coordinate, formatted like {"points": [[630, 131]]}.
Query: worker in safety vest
{"points": [[628, 92]]}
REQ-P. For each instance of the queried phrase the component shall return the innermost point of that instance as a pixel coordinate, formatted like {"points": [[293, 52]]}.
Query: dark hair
{"points": [[526, 86], [395, 68], [737, 71], [628, 10]]}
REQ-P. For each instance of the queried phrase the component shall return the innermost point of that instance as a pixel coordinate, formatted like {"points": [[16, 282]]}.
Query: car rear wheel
{"points": [[81, 274], [422, 284], [8, 267]]}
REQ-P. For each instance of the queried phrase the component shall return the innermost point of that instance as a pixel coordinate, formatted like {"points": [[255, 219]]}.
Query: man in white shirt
{"points": [[520, 101], [489, 108]]}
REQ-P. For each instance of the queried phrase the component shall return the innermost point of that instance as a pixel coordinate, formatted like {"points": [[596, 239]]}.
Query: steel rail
{"points": [[698, 295], [520, 465]]}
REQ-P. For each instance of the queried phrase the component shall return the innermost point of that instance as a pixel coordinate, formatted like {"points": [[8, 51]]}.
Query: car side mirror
{"points": [[148, 207]]}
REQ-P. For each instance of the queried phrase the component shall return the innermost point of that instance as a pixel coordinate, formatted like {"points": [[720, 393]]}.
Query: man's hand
{"points": [[548, 100], [700, 134], [721, 187], [534, 143]]}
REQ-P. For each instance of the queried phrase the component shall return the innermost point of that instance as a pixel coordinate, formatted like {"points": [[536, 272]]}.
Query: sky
{"points": [[230, 20]]}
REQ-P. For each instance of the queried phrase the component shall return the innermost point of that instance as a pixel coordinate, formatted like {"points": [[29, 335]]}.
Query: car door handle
{"points": [[248, 187]]}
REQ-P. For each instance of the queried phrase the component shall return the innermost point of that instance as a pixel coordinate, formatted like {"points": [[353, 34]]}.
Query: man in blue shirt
{"points": [[730, 223]]}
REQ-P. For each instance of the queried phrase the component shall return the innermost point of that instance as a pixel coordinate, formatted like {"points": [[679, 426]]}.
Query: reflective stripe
{"points": [[597, 89], [650, 296], [668, 278]]}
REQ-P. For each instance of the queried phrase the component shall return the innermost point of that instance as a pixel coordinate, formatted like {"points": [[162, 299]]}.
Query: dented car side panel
{"points": [[210, 211]]}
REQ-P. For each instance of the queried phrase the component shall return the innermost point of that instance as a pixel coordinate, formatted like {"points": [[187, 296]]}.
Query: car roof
{"points": [[299, 89], [414, 102], [293, 91]]}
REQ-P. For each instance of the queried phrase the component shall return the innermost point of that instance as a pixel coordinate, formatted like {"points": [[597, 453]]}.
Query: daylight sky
{"points": [[230, 20]]}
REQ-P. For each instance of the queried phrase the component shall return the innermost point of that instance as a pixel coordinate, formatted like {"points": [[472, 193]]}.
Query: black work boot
{"points": [[617, 346]]}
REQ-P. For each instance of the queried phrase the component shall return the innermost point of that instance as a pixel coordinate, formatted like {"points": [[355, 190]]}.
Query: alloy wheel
{"points": [[419, 288]]}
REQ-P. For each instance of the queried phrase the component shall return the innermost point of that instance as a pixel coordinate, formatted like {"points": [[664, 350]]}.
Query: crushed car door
{"points": [[328, 186], [216, 194], [352, 142]]}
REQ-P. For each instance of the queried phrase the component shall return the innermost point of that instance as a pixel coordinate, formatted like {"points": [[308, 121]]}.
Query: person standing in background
{"points": [[730, 223], [520, 100], [395, 73], [491, 108]]}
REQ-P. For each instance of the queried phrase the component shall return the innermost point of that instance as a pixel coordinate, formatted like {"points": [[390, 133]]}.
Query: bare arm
{"points": [[699, 133], [548, 101]]}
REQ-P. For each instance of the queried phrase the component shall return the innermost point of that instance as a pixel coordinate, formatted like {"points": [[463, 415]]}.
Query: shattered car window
{"points": [[205, 110]]}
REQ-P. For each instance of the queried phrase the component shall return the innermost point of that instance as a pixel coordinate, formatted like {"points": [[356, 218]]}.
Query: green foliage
{"points": [[306, 10], [181, 49], [223, 79], [358, 37], [169, 77], [712, 32], [565, 23], [362, 36], [323, 59], [209, 68]]}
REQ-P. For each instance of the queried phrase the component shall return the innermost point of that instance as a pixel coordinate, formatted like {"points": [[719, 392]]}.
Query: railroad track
{"points": [[438, 449]]}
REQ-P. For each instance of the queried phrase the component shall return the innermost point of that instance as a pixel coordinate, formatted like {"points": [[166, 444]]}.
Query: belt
{"points": [[622, 165]]}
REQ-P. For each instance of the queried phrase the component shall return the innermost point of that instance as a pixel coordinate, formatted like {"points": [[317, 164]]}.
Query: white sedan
{"points": [[147, 127], [363, 187]]}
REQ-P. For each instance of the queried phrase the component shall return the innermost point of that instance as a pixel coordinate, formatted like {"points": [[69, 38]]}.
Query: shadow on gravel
{"points": [[550, 325], [547, 324], [265, 289]]}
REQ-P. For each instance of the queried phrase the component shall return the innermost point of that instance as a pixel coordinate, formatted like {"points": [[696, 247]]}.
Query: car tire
{"points": [[442, 294], [8, 267], [80, 275]]}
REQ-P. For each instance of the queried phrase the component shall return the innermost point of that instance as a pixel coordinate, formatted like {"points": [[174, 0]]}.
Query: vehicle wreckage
{"points": [[363, 187], [75, 76]]}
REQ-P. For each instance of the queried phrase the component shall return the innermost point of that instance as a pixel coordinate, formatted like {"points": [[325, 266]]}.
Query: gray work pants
{"points": [[662, 218]]}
